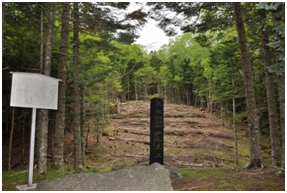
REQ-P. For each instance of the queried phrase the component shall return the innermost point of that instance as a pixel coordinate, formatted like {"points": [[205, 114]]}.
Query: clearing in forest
{"points": [[193, 142], [191, 139]]}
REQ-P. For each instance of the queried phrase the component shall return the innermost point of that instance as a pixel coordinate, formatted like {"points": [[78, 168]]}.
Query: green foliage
{"points": [[269, 6], [225, 186], [241, 117], [94, 170], [276, 13]]}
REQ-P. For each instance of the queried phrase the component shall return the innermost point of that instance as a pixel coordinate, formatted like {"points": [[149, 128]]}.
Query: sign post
{"points": [[32, 145], [156, 131], [32, 90]]}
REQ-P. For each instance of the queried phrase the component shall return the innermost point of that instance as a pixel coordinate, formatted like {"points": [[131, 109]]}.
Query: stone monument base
{"points": [[26, 187]]}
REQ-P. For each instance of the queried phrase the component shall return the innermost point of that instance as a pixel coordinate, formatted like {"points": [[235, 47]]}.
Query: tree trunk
{"points": [[41, 44], [10, 141], [3, 23], [7, 113], [165, 96], [23, 138], [41, 72], [78, 161], [209, 101], [42, 123], [136, 94], [254, 133], [98, 129], [87, 136], [128, 89], [145, 91], [83, 129], [281, 90], [118, 105], [234, 114], [58, 153], [221, 114], [275, 146]]}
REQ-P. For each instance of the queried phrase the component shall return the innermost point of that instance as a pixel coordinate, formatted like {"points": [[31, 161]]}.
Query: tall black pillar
{"points": [[156, 131]]}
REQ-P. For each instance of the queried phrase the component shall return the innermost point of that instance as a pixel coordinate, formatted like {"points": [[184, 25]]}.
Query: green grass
{"points": [[199, 174], [12, 179], [15, 178], [229, 179], [225, 186], [93, 170], [57, 173]]}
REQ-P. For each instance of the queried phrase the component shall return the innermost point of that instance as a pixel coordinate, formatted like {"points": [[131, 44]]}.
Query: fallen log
{"points": [[190, 165], [135, 131], [220, 135], [215, 158], [128, 140], [177, 132], [128, 155]]}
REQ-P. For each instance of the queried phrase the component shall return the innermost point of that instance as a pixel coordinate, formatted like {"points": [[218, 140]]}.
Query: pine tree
{"points": [[254, 133], [43, 118], [271, 100], [78, 161], [58, 153], [277, 12]]}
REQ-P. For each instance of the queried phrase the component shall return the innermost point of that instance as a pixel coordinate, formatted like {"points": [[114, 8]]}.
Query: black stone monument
{"points": [[156, 131]]}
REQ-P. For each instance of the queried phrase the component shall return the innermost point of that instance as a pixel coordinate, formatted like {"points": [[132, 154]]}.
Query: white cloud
{"points": [[152, 36]]}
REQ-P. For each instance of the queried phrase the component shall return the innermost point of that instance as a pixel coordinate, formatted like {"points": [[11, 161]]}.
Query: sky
{"points": [[152, 36]]}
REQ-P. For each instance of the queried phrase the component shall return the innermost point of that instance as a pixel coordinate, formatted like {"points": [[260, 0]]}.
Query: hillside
{"points": [[193, 142], [191, 138]]}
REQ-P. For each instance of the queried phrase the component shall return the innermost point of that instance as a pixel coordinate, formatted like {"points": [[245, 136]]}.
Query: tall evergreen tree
{"points": [[58, 153], [276, 10], [43, 118], [78, 162], [3, 20], [271, 100], [253, 124], [110, 21]]}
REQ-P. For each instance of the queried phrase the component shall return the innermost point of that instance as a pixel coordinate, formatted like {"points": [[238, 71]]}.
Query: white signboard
{"points": [[34, 90]]}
